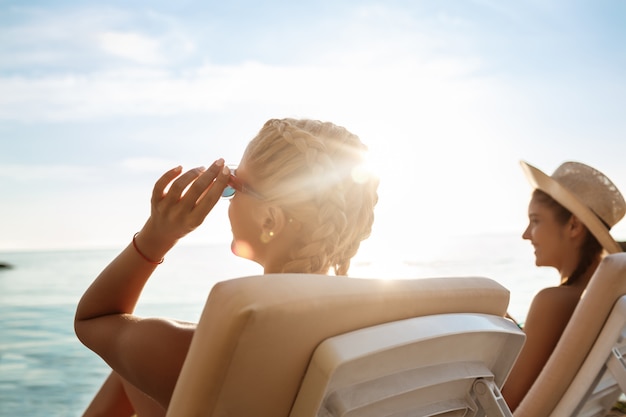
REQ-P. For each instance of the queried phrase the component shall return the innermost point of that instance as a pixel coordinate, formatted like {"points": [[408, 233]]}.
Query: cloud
{"points": [[22, 173], [132, 46], [213, 87], [376, 52], [38, 40]]}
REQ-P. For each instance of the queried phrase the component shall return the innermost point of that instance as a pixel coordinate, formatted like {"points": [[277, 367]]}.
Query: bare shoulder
{"points": [[556, 298], [551, 309]]}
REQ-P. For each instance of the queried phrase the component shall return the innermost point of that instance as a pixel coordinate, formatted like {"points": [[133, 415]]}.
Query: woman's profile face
{"points": [[245, 221], [546, 235]]}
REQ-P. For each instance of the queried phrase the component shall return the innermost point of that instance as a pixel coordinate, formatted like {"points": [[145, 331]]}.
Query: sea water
{"points": [[46, 371]]}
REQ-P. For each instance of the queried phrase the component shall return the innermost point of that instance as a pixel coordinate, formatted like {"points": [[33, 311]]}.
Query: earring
{"points": [[267, 236]]}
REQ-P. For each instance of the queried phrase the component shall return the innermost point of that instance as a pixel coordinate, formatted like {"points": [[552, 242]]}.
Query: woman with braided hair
{"points": [[301, 201]]}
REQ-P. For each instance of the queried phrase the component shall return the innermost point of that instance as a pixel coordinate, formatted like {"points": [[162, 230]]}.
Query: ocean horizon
{"points": [[46, 371]]}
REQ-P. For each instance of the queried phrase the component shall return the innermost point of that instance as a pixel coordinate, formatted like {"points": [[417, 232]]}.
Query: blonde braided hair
{"points": [[314, 171]]}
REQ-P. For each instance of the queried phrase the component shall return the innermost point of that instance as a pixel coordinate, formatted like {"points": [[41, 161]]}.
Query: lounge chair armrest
{"points": [[617, 367]]}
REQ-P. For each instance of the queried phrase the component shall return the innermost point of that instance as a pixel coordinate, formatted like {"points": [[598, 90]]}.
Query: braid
{"points": [[311, 165]]}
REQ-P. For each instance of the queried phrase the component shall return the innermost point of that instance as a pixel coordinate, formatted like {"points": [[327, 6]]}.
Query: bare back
{"points": [[547, 318]]}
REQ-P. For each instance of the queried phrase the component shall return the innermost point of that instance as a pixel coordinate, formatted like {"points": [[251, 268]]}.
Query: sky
{"points": [[99, 98]]}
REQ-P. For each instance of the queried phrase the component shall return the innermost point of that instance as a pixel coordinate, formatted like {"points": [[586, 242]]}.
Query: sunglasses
{"points": [[236, 185]]}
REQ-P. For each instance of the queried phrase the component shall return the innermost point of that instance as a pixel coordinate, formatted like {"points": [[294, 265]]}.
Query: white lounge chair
{"points": [[586, 373], [306, 345], [425, 366]]}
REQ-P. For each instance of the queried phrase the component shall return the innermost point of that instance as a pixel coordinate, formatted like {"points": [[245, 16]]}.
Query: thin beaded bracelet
{"points": [[142, 255]]}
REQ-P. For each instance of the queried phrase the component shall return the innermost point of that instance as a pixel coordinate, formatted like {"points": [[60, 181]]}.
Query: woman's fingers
{"points": [[175, 193], [159, 188], [209, 197], [190, 197], [202, 185]]}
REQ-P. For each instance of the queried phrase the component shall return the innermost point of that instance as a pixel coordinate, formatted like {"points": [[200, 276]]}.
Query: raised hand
{"points": [[183, 207]]}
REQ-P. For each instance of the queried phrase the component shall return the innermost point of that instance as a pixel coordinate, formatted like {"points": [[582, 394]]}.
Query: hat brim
{"points": [[563, 196]]}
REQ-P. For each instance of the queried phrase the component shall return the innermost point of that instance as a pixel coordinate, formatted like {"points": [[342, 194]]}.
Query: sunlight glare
{"points": [[362, 172]]}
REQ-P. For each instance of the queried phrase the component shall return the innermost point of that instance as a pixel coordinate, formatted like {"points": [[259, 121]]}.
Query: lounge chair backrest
{"points": [[602, 377], [605, 288], [443, 364], [256, 335]]}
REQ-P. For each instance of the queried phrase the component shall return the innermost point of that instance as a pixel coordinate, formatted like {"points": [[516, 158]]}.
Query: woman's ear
{"points": [[576, 227], [274, 220]]}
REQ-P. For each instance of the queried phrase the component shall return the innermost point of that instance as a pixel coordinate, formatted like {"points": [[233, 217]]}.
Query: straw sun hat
{"points": [[586, 193]]}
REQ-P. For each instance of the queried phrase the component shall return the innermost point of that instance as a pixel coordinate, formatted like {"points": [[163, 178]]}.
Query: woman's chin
{"points": [[242, 249]]}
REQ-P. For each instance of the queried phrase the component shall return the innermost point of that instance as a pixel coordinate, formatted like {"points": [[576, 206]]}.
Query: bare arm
{"points": [[148, 352], [117, 398], [547, 317], [111, 400]]}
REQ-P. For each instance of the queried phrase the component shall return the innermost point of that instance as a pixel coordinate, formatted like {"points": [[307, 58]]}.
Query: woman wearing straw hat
{"points": [[570, 215]]}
